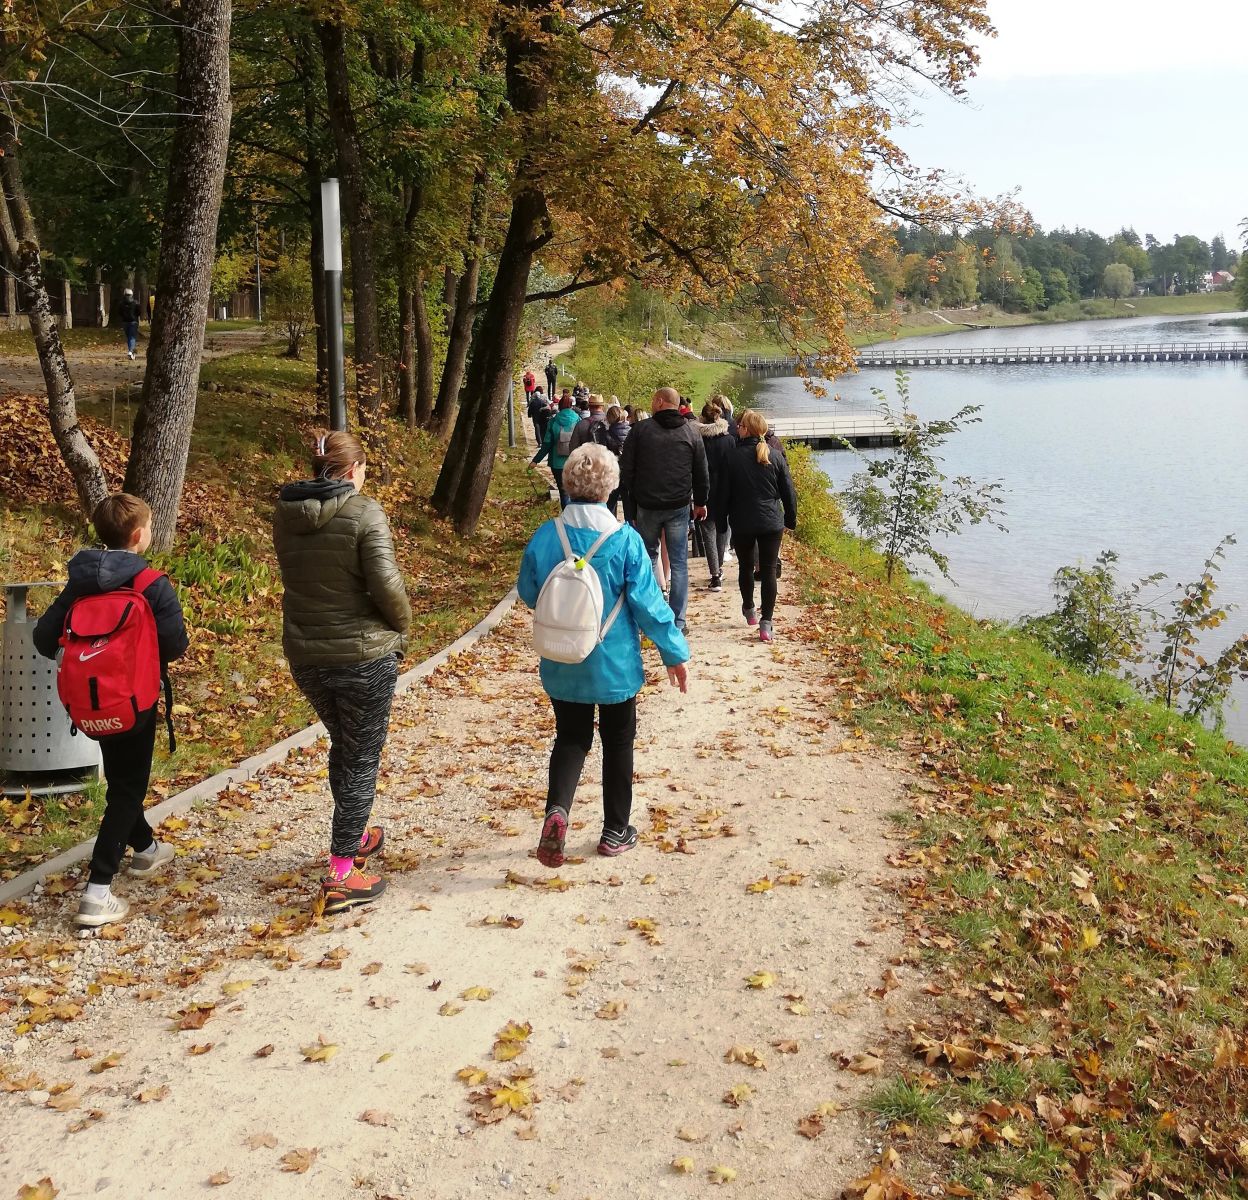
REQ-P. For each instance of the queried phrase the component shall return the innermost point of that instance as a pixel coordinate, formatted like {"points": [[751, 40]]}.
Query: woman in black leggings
{"points": [[755, 494]]}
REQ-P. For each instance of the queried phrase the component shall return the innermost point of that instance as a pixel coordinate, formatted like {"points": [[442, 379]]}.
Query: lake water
{"points": [[1144, 459]]}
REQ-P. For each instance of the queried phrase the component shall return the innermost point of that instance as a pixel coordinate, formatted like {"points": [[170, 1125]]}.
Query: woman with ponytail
{"points": [[754, 492], [345, 614]]}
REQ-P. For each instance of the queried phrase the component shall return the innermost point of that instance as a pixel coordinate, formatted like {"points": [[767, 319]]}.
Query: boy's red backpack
{"points": [[110, 670]]}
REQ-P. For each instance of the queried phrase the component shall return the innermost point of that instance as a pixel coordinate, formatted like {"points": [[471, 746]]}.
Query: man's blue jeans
{"points": [[131, 330], [651, 522]]}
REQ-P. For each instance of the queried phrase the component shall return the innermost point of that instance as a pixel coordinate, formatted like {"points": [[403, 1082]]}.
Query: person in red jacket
{"points": [[530, 382]]}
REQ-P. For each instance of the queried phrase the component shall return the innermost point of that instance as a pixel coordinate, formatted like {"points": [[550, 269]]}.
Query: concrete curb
{"points": [[212, 787]]}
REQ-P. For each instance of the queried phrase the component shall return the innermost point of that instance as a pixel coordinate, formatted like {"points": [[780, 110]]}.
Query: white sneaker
{"points": [[94, 913], [143, 866]]}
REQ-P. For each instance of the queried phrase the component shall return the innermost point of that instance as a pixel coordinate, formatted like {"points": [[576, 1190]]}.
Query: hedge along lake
{"points": [[1146, 459]]}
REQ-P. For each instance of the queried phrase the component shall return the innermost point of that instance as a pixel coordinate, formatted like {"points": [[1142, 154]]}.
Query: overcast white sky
{"points": [[1105, 113]]}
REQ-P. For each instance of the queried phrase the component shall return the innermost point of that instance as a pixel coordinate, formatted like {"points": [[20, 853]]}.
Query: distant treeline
{"points": [[1025, 273]]}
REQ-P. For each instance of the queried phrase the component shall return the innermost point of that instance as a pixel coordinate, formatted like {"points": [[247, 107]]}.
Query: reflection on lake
{"points": [[1144, 459]]}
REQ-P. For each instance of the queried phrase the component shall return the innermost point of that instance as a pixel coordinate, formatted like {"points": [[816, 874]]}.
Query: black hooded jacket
{"points": [[663, 462], [92, 572], [755, 497]]}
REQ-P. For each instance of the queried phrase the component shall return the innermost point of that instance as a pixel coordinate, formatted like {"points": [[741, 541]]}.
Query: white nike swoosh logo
{"points": [[85, 657]]}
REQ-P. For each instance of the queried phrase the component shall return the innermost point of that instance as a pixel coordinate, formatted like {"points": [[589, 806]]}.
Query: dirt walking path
{"points": [[221, 1036], [97, 370]]}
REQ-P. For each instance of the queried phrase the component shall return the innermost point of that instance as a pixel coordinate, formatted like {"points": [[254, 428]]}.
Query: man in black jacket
{"points": [[128, 310], [663, 463], [552, 375]]}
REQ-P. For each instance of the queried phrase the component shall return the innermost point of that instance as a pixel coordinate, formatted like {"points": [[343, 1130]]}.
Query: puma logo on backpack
{"points": [[567, 620]]}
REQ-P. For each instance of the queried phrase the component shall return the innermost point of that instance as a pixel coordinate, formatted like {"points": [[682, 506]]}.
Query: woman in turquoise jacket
{"points": [[559, 427], [610, 678]]}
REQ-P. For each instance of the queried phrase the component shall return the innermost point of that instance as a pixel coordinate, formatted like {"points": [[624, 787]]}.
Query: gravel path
{"points": [[97, 370], [182, 1048]]}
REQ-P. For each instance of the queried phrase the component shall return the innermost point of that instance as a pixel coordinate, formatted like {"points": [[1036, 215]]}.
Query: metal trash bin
{"points": [[39, 752]]}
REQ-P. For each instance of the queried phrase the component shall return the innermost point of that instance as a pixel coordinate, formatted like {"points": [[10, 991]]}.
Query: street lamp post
{"points": [[331, 237]]}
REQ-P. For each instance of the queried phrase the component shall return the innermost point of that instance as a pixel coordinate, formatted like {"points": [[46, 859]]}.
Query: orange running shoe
{"points": [[353, 889]]}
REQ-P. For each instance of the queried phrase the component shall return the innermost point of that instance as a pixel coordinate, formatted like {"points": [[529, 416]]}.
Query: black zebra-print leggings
{"points": [[353, 704]]}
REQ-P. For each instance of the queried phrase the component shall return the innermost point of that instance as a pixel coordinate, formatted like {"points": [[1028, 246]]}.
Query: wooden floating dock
{"points": [[823, 430], [900, 355]]}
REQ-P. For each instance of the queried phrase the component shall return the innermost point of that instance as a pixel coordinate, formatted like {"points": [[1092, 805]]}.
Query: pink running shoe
{"points": [[550, 845]]}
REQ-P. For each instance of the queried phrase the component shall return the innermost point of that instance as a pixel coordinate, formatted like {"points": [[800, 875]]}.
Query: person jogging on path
{"points": [[129, 312]]}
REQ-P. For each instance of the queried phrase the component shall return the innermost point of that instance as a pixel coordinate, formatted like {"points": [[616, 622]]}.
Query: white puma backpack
{"points": [[567, 622]]}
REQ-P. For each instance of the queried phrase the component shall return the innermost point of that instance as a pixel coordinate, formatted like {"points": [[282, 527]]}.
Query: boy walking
{"points": [[124, 524]]}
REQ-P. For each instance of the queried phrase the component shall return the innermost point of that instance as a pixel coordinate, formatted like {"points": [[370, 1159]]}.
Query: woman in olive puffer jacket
{"points": [[345, 613]]}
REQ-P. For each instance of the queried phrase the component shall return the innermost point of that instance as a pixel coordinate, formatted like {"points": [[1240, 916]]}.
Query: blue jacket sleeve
{"points": [[527, 583], [651, 612]]}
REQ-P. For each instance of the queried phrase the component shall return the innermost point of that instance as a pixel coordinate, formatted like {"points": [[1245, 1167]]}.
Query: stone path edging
{"points": [[212, 787]]}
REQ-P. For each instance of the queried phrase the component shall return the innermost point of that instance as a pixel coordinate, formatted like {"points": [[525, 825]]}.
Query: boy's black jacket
{"points": [[95, 571]]}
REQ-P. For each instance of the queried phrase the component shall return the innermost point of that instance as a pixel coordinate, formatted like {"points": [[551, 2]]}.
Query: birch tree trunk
{"points": [[162, 432], [20, 242]]}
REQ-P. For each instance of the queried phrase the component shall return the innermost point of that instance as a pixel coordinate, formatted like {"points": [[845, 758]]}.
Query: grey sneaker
{"points": [[94, 913], [764, 630], [144, 866]]}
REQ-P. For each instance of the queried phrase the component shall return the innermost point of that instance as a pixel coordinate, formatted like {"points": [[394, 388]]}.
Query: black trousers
{"points": [[761, 550], [127, 769], [574, 735], [353, 704]]}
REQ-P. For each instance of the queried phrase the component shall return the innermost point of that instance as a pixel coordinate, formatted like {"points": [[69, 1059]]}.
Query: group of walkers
{"points": [[719, 477], [118, 624]]}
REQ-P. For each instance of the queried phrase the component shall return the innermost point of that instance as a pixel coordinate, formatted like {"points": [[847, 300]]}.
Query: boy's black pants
{"points": [[574, 735], [127, 769]]}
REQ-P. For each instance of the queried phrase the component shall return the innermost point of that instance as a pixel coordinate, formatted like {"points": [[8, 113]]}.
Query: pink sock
{"points": [[340, 868], [363, 839]]}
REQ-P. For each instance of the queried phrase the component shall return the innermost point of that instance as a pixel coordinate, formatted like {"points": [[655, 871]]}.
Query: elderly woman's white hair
{"points": [[592, 472]]}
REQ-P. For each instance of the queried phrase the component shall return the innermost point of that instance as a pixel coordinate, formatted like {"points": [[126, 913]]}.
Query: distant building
{"points": [[1220, 280]]}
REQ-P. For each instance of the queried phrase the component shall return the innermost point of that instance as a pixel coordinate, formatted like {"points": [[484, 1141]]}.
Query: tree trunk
{"points": [[459, 322], [490, 373], [20, 242], [450, 288], [304, 57], [358, 209], [424, 354], [407, 354], [162, 432]]}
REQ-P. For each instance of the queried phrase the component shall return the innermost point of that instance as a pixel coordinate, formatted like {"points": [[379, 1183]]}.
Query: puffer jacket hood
{"points": [[713, 429], [92, 571], [313, 503]]}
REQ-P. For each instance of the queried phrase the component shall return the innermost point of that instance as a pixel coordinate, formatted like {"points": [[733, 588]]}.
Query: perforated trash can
{"points": [[39, 752]]}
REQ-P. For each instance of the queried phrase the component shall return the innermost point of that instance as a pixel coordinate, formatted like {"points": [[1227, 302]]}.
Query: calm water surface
{"points": [[1144, 459]]}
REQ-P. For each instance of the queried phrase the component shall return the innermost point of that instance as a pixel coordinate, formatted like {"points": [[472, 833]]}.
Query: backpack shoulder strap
{"points": [[563, 538], [141, 582], [589, 554], [145, 578]]}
